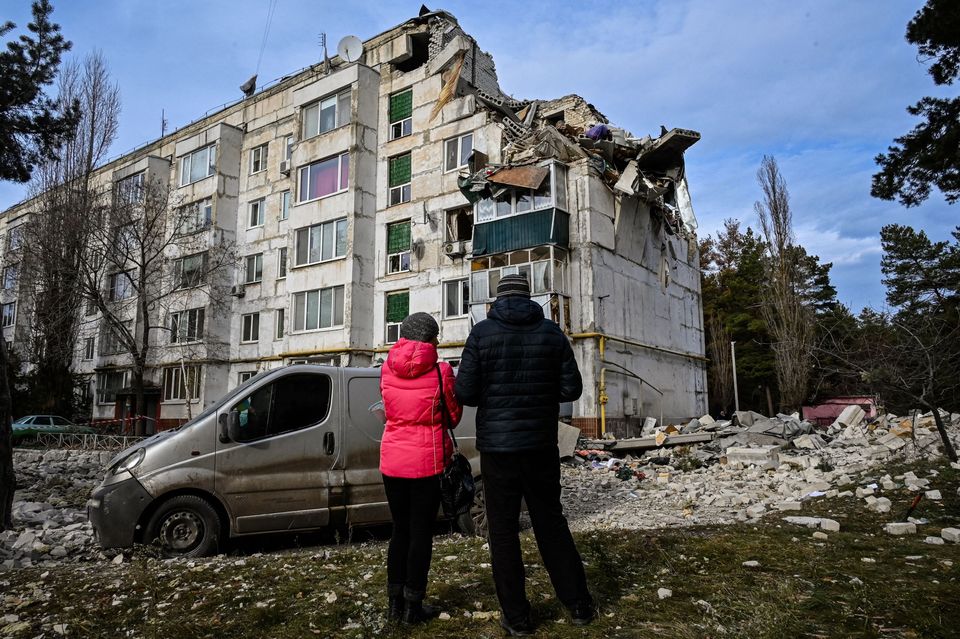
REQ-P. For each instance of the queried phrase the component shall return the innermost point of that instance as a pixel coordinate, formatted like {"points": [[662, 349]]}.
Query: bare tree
{"points": [[67, 200], [144, 254], [789, 319], [720, 356]]}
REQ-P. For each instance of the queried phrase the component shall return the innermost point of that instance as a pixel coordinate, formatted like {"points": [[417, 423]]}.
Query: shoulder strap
{"points": [[445, 411]]}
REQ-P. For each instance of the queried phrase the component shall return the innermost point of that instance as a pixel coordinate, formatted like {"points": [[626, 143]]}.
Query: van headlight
{"points": [[129, 462]]}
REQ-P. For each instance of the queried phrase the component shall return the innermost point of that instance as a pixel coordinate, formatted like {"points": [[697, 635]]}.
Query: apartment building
{"points": [[399, 178]]}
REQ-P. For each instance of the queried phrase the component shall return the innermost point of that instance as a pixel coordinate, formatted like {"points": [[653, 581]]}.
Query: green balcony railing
{"points": [[537, 228]]}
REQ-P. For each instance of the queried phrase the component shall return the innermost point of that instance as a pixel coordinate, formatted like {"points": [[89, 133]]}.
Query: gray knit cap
{"points": [[513, 285], [419, 327]]}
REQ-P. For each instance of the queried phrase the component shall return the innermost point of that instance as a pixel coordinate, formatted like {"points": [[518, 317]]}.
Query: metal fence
{"points": [[84, 442]]}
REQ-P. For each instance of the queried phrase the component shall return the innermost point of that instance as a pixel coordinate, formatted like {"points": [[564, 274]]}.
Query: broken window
{"points": [[321, 242], [254, 269], [250, 327], [513, 191], [397, 309], [258, 159], [187, 326], [319, 308], [456, 298], [400, 171], [542, 268], [457, 152], [401, 112], [460, 224], [326, 114], [398, 247], [325, 177], [198, 165]]}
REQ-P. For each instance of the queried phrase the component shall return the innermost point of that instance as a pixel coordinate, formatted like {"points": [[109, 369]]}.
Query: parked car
{"points": [[30, 426], [292, 449]]}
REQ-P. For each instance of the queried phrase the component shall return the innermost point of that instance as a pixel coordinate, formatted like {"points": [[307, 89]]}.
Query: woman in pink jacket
{"points": [[413, 453]]}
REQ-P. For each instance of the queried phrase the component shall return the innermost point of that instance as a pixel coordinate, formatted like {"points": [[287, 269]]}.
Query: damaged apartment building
{"points": [[398, 177]]}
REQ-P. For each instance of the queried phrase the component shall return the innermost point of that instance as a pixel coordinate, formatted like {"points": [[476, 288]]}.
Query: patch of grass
{"points": [[803, 587]]}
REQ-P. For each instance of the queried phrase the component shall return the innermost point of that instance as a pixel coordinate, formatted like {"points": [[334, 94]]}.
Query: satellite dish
{"points": [[350, 48]]}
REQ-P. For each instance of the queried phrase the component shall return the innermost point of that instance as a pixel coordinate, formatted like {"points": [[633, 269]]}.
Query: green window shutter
{"points": [[399, 170], [398, 307], [401, 105], [398, 237]]}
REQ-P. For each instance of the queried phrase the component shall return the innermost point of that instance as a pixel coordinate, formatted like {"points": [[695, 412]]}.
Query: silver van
{"points": [[292, 449]]}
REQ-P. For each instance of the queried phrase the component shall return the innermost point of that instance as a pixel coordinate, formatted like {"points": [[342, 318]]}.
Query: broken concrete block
{"points": [[706, 420], [830, 524], [567, 437], [764, 456], [933, 494], [809, 442], [756, 510], [892, 442], [951, 534], [864, 492], [789, 505], [900, 528], [822, 536], [809, 522], [934, 541], [851, 416]]}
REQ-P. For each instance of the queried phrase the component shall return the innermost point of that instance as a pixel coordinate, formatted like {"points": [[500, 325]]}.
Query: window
{"points": [[543, 271], [525, 200], [258, 159], [120, 286], [181, 383], [460, 224], [91, 307], [279, 320], [15, 238], [284, 205], [10, 276], [288, 148], [456, 298], [291, 403], [254, 269], [89, 348], [401, 110], [398, 247], [243, 376], [399, 179], [325, 177], [8, 314], [198, 165], [321, 242], [130, 189], [256, 213], [250, 327], [282, 263], [457, 151], [398, 307], [124, 241], [188, 271], [196, 216], [321, 308], [187, 326], [110, 342], [108, 383], [326, 114]]}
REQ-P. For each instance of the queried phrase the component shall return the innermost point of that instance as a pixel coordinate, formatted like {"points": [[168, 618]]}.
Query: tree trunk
{"points": [[139, 409], [8, 478], [942, 429]]}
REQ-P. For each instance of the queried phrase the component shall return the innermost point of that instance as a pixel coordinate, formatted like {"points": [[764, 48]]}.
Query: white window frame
{"points": [[243, 376], [110, 343], [178, 270], [313, 246], [305, 169], [117, 292], [8, 318], [311, 119], [461, 160], [249, 328], [395, 261], [89, 348], [258, 159], [129, 190], [101, 384], [404, 127], [15, 238], [486, 210], [282, 263], [285, 205], [196, 216], [288, 148], [279, 323], [392, 329], [207, 154], [173, 388], [11, 274], [181, 323], [256, 262], [403, 192], [256, 213], [301, 308], [462, 286]]}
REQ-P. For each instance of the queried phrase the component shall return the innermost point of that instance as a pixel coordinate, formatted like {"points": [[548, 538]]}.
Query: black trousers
{"points": [[413, 507], [535, 477]]}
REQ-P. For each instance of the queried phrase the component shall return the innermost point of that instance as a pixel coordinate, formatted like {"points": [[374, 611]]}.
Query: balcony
{"points": [[538, 228]]}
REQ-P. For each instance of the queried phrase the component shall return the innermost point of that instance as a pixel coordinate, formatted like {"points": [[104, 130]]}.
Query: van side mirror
{"points": [[233, 425]]}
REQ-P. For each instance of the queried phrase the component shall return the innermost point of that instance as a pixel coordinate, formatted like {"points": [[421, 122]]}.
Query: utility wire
{"points": [[271, 10]]}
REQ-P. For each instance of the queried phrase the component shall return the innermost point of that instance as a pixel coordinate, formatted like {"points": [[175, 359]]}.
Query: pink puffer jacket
{"points": [[414, 443]]}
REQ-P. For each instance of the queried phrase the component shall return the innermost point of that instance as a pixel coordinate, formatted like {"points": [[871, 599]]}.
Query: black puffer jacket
{"points": [[517, 367]]}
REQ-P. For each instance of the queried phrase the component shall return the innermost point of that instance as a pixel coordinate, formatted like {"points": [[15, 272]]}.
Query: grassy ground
{"points": [[803, 587]]}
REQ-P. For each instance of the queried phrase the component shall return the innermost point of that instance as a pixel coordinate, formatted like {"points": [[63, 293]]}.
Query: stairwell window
{"points": [[400, 176], [401, 114], [398, 247]]}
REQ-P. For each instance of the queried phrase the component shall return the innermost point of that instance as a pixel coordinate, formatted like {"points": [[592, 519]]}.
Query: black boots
{"points": [[415, 611], [395, 602]]}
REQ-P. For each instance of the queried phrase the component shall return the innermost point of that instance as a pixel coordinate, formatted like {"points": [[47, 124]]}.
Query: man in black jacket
{"points": [[516, 368]]}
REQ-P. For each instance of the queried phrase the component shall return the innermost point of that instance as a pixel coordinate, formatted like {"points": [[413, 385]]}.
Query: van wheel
{"points": [[185, 526], [474, 521]]}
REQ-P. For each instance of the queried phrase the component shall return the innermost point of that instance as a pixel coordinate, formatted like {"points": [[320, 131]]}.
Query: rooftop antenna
{"points": [[326, 58]]}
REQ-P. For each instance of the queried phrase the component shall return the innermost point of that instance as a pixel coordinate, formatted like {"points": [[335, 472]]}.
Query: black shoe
{"points": [[418, 612], [395, 607], [583, 613], [524, 628]]}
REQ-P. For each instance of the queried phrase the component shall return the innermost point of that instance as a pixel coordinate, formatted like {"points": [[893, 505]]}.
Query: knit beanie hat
{"points": [[419, 327], [513, 285]]}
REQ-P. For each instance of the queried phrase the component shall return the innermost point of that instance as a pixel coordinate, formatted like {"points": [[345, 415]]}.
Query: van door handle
{"points": [[328, 443]]}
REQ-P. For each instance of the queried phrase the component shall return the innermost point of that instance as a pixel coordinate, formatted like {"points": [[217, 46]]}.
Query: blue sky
{"points": [[820, 85]]}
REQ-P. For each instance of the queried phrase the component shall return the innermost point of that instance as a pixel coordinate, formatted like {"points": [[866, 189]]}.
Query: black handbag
{"points": [[457, 487]]}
